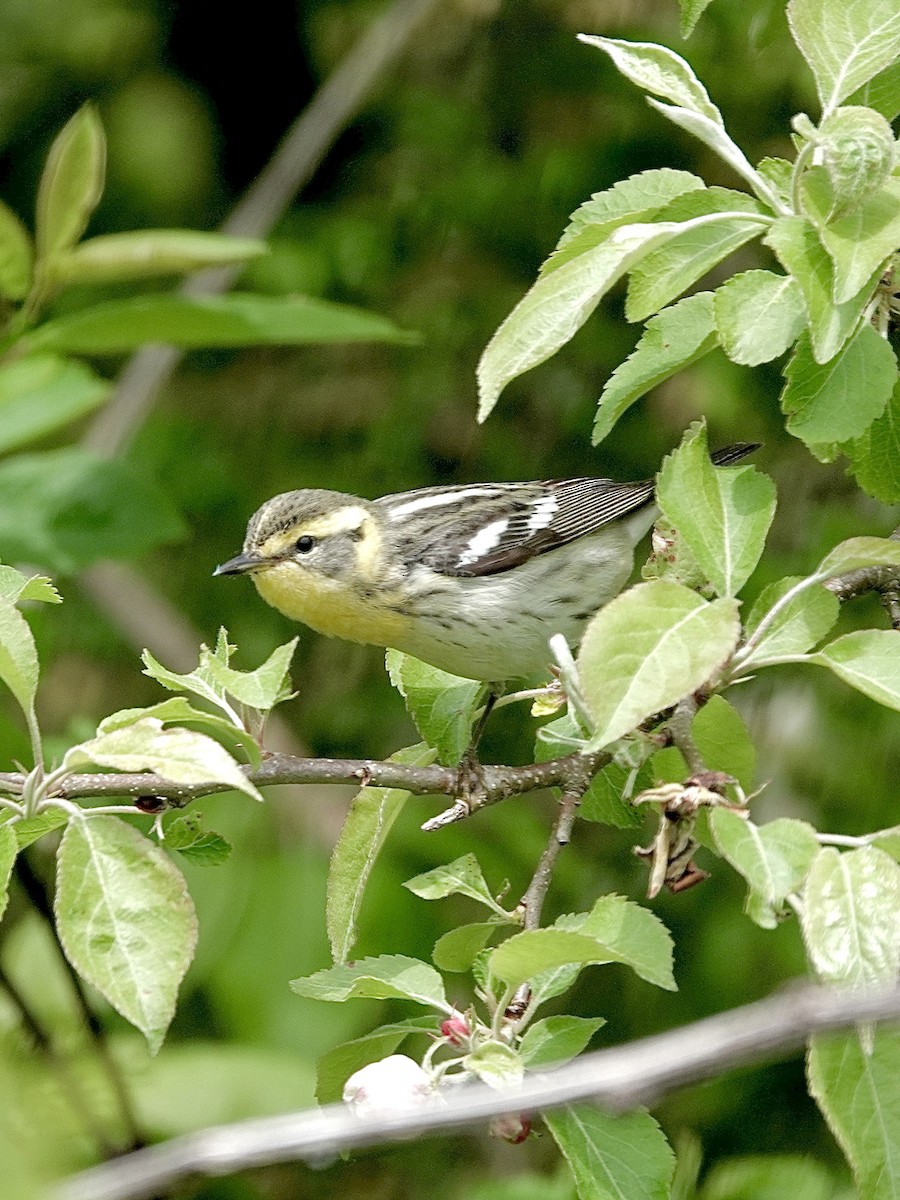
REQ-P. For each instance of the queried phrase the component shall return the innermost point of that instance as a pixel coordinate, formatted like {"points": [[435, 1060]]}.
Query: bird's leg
{"points": [[470, 774]]}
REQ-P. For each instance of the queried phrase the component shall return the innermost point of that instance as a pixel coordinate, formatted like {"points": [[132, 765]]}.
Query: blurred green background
{"points": [[435, 207]]}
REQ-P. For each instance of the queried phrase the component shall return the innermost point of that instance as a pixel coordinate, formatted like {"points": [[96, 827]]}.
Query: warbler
{"points": [[473, 578]]}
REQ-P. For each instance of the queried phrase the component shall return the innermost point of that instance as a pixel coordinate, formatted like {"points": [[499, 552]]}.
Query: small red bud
{"points": [[455, 1030], [513, 1128]]}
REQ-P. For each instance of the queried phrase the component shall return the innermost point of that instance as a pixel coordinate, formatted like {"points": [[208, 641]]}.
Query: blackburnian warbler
{"points": [[473, 579]]}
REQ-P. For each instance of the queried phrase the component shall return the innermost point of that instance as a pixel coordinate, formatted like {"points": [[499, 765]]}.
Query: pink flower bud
{"points": [[455, 1030], [513, 1128]]}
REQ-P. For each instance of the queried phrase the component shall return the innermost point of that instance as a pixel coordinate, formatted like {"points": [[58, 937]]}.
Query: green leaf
{"points": [[546, 985], [32, 828], [9, 848], [41, 394], [19, 588], [372, 813], [624, 1157], [859, 1098], [856, 553], [882, 92], [672, 340], [875, 457], [71, 185], [767, 1177], [390, 976], [557, 1039], [691, 12], [869, 660], [558, 304], [180, 755], [117, 257], [179, 709], [495, 1064], [457, 949], [838, 400], [779, 175], [849, 917], [336, 1066], [637, 198], [845, 44], [671, 269], [442, 705], [724, 742], [19, 668], [774, 859], [858, 150], [659, 71], [723, 514], [462, 876], [604, 800], [647, 649], [758, 316], [125, 920], [65, 509], [615, 930], [888, 840], [860, 243], [119, 326], [263, 688], [799, 250], [16, 255], [798, 626], [201, 846]]}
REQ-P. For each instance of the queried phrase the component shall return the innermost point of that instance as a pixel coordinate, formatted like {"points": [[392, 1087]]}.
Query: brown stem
{"points": [[533, 900]]}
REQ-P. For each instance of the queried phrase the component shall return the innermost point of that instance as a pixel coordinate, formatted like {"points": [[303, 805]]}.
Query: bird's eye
{"points": [[305, 543]]}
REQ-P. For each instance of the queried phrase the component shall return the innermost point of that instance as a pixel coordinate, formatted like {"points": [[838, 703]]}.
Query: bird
{"points": [[471, 578]]}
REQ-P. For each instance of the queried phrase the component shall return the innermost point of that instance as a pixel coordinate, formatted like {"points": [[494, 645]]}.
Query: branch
{"points": [[572, 772], [619, 1079], [885, 580]]}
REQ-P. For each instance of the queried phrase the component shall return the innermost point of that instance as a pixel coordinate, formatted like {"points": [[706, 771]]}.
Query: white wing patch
{"points": [[544, 512], [452, 496], [483, 541]]}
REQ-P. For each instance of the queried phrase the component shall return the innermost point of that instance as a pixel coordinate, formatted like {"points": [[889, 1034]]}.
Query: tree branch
{"points": [[619, 1079]]}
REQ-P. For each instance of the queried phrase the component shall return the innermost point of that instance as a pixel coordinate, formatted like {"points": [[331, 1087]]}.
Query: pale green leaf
{"points": [[9, 848], [125, 920], [526, 955], [496, 1065], [443, 706], [882, 92], [799, 250], [779, 175], [767, 1177], [849, 917], [723, 514], [18, 656], [774, 859], [187, 835], [119, 326], [647, 649], [32, 828], [856, 553], [116, 257], [637, 198], [622, 1157], [671, 341], [758, 316], [16, 255], [462, 876], [869, 660], [551, 983], [860, 243], [17, 588], [875, 457], [70, 186], [263, 688], [856, 1089], [558, 304], [179, 709], [632, 934], [557, 1039], [858, 150], [372, 813], [724, 742], [457, 949], [888, 840], [845, 44], [806, 618], [667, 271], [181, 755], [659, 71], [838, 400], [336, 1066], [390, 976]]}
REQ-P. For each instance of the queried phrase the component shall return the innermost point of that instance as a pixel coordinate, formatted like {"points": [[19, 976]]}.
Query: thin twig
{"points": [[619, 1079], [679, 726], [533, 900]]}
